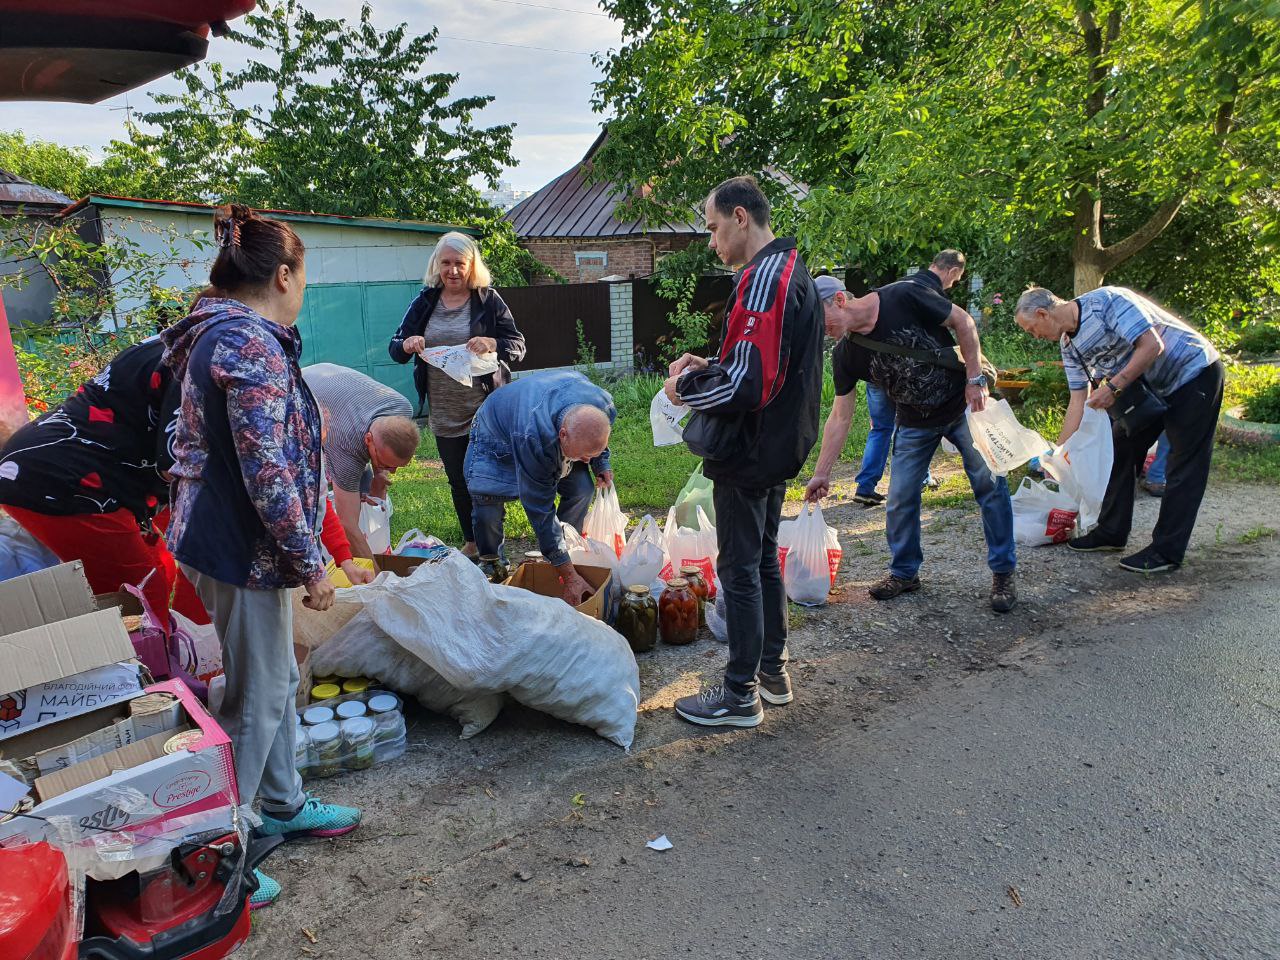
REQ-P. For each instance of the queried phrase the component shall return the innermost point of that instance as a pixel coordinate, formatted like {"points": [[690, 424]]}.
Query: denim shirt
{"points": [[515, 447]]}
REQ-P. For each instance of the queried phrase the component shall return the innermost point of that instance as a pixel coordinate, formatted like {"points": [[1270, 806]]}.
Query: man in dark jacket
{"points": [[756, 406]]}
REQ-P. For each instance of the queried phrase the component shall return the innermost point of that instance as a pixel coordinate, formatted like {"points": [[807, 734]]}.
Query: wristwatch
{"points": [[979, 381]]}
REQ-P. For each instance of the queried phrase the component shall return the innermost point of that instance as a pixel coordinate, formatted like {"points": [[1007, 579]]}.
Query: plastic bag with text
{"points": [[375, 524], [667, 420], [644, 555], [605, 520], [1082, 466], [197, 645], [696, 546], [1042, 514], [460, 363], [809, 553], [1003, 442]]}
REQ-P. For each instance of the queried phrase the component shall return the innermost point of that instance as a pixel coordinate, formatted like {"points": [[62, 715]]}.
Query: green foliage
{"points": [[974, 123], [69, 170], [353, 125], [1256, 389], [676, 279], [90, 320], [1264, 406]]}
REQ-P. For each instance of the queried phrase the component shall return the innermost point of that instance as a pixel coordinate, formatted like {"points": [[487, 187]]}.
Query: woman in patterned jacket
{"points": [[246, 501]]}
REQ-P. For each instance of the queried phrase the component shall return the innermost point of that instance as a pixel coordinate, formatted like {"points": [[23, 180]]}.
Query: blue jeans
{"points": [[914, 449], [1155, 472], [488, 513], [880, 440]]}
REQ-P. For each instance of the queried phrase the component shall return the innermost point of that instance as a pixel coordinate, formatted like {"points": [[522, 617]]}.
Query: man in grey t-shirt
{"points": [[367, 426]]}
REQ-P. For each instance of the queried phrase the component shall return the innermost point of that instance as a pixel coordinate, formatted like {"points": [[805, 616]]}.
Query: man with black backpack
{"points": [[754, 421], [899, 337]]}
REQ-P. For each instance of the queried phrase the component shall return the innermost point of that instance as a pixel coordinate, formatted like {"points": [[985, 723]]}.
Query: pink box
{"points": [[191, 780]]}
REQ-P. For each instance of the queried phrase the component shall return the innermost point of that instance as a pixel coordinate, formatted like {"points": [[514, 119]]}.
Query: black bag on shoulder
{"points": [[1137, 407], [714, 436]]}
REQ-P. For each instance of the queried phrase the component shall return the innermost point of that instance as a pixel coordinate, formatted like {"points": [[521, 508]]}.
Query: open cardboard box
{"points": [[138, 784], [59, 655], [542, 578]]}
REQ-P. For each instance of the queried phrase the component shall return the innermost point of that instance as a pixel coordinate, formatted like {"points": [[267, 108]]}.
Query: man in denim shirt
{"points": [[531, 440]]}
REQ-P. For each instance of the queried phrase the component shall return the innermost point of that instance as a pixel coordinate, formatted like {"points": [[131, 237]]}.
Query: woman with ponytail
{"points": [[247, 502]]}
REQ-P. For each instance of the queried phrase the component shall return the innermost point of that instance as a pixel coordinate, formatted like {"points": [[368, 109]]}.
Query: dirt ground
{"points": [[456, 825]]}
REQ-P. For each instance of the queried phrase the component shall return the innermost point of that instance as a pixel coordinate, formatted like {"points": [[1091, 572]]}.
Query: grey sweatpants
{"points": [[256, 630]]}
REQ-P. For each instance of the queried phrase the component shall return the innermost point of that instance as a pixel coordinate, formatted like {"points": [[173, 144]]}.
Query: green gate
{"points": [[351, 323]]}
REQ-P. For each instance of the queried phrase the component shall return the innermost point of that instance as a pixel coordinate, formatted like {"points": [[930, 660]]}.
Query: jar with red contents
{"points": [[678, 613], [698, 584]]}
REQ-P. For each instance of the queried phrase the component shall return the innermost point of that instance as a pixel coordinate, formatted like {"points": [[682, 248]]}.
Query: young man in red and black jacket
{"points": [[758, 398]]}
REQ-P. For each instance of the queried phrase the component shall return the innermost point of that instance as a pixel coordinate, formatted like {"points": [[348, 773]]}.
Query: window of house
{"points": [[591, 258]]}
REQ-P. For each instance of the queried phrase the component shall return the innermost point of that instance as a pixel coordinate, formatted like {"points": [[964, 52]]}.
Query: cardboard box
{"points": [[542, 578], [65, 668], [400, 566], [101, 767], [46, 596], [138, 786]]}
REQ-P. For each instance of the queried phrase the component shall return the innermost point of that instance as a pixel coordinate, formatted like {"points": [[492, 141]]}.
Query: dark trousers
{"points": [[577, 489], [1190, 423], [453, 450], [754, 598]]}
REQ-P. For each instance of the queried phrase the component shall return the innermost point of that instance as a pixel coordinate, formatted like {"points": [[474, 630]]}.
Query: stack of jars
{"points": [[349, 731], [675, 617]]}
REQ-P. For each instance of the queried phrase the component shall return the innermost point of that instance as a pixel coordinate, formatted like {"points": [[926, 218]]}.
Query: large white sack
{"points": [[492, 638], [1082, 466], [1042, 514], [361, 649], [1003, 442]]}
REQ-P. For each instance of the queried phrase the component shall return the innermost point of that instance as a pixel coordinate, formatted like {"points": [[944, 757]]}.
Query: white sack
{"points": [[460, 363], [375, 524], [21, 553], [667, 420], [1082, 466], [1042, 514], [1003, 442], [490, 638], [360, 649]]}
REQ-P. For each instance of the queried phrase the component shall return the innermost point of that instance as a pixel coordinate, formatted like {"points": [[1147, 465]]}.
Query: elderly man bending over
{"points": [[530, 440]]}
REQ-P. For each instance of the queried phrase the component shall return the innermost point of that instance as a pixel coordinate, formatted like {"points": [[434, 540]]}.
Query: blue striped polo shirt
{"points": [[1111, 321]]}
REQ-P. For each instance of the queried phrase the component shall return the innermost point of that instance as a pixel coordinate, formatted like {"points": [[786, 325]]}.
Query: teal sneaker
{"points": [[266, 893], [315, 819]]}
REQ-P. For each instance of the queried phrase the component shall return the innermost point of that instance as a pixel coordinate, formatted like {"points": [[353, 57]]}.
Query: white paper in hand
{"points": [[460, 363], [667, 420]]}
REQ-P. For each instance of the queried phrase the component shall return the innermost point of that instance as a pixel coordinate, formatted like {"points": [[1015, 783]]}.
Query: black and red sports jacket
{"points": [[768, 369]]}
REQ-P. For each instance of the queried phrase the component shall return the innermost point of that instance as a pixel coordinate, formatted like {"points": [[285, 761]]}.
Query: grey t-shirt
{"points": [[349, 402], [452, 406]]}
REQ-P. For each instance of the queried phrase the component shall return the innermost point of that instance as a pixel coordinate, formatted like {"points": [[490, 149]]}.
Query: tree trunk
{"points": [[1088, 276]]}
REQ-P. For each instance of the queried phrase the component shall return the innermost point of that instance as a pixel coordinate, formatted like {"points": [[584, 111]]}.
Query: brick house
{"points": [[569, 226]]}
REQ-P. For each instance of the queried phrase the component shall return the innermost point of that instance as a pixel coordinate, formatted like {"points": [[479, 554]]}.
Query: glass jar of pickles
{"points": [[637, 618], [302, 750], [357, 743], [493, 568], [388, 721], [678, 613], [698, 584], [327, 743]]}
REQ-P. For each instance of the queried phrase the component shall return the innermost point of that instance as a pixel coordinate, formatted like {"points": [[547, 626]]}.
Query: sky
{"points": [[545, 92]]}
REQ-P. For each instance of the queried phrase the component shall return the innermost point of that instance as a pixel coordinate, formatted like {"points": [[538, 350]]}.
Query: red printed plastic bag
{"points": [[809, 553], [1042, 514], [691, 546]]}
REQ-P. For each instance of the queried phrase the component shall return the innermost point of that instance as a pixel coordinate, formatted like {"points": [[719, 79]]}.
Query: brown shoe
{"points": [[1004, 596], [891, 586]]}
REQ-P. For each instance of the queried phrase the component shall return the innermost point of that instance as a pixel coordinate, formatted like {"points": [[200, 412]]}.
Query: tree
{"points": [[915, 123], [69, 170], [353, 125]]}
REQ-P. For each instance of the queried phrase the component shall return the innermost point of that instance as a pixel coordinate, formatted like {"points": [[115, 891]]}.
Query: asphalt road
{"points": [[1108, 797]]}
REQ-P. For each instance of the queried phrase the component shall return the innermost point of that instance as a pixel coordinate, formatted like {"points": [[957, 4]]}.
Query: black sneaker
{"points": [[716, 707], [1003, 593], [775, 688], [871, 499], [891, 586], [1093, 542], [1148, 560]]}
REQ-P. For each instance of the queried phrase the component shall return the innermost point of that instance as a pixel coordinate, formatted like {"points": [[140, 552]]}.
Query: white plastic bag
{"points": [[698, 547], [198, 646], [361, 649], [21, 553], [490, 638], [644, 555], [587, 551], [1042, 514], [415, 543], [809, 552], [1082, 466], [375, 524], [460, 363], [1003, 442], [605, 520], [667, 420]]}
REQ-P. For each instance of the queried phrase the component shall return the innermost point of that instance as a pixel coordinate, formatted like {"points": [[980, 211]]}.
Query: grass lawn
{"points": [[648, 478]]}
